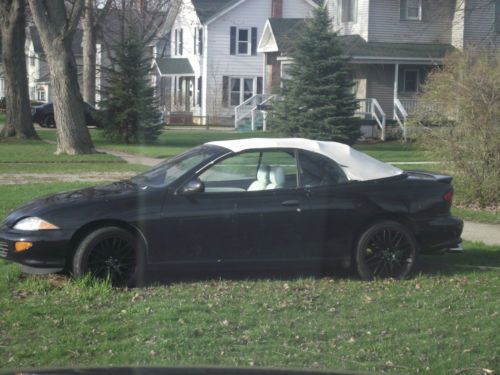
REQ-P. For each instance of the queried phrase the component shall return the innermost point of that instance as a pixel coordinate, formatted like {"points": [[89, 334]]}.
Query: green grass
{"points": [[442, 320], [14, 195], [395, 151], [70, 167], [2, 118]]}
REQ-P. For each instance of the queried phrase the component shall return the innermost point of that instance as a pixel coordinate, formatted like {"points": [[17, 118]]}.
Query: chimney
{"points": [[277, 8]]}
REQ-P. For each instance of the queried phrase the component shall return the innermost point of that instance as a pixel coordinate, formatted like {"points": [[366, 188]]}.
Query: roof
{"points": [[286, 31], [358, 48], [357, 165], [207, 9], [173, 66], [45, 78]]}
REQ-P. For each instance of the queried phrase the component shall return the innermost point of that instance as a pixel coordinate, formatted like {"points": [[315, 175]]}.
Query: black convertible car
{"points": [[252, 203]]}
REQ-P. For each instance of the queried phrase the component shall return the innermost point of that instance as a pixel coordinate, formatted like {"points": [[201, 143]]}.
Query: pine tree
{"points": [[317, 101], [129, 108]]}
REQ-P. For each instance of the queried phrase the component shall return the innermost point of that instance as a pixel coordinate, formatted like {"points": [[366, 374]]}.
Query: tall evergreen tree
{"points": [[317, 101], [129, 108]]}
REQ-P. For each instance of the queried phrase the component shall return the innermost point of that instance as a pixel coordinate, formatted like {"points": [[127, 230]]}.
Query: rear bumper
{"points": [[439, 233], [48, 252]]}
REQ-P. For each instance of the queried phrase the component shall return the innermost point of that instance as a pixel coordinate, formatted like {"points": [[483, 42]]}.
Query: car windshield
{"points": [[169, 171]]}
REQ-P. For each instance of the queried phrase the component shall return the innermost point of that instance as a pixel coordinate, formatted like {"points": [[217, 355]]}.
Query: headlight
{"points": [[33, 224]]}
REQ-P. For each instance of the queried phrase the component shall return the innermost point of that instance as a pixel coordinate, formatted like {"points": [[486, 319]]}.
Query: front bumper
{"points": [[48, 252], [439, 233]]}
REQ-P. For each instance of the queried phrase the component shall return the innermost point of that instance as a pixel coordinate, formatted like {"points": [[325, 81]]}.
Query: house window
{"points": [[240, 89], [411, 9], [243, 41], [410, 83], [32, 60], [198, 92], [41, 95], [348, 10]]}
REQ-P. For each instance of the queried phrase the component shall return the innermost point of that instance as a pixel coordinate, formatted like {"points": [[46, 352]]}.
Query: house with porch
{"points": [[213, 65], [393, 45]]}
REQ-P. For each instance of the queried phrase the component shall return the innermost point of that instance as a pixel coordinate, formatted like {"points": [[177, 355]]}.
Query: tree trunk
{"points": [[56, 28], [73, 135], [89, 52], [18, 121]]}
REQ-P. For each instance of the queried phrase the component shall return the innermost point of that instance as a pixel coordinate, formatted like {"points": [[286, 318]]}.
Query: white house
{"points": [[214, 65]]}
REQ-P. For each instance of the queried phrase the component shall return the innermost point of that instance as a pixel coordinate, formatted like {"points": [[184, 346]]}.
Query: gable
{"points": [[207, 9]]}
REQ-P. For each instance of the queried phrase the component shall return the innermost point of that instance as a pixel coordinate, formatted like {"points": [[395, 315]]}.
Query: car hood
{"points": [[73, 198]]}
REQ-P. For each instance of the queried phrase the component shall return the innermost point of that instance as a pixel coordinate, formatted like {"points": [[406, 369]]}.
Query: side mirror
{"points": [[192, 187]]}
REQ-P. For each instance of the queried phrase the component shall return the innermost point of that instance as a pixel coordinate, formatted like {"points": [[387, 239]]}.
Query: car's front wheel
{"points": [[110, 253], [386, 249]]}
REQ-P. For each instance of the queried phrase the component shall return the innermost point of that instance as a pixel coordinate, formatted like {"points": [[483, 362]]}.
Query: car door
{"points": [[334, 205], [233, 223]]}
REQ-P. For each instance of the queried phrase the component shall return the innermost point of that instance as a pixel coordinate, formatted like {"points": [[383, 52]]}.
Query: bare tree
{"points": [[92, 18], [56, 24], [13, 20]]}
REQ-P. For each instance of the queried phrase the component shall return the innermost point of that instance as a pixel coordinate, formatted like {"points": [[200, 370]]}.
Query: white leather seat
{"points": [[262, 179], [276, 178]]}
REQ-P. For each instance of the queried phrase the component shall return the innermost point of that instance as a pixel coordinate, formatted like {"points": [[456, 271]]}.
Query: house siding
{"points": [[385, 24], [479, 27]]}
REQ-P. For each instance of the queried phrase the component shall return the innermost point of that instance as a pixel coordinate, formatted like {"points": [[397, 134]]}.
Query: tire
{"points": [[113, 253], [386, 249], [49, 122]]}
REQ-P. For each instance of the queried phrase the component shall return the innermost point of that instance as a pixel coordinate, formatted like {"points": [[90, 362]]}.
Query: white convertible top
{"points": [[357, 165]]}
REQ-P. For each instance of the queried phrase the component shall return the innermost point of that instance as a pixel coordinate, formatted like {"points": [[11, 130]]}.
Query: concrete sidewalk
{"points": [[133, 159], [486, 233]]}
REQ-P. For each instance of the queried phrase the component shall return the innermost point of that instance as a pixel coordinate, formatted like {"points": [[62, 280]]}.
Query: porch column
{"points": [[396, 80]]}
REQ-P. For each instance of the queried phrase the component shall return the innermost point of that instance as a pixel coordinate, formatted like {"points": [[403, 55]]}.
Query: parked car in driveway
{"points": [[43, 115], [242, 204]]}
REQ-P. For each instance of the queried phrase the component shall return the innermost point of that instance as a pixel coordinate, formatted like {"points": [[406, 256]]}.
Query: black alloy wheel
{"points": [[386, 250], [112, 254]]}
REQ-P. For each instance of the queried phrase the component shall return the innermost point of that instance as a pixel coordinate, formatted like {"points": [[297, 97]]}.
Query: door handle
{"points": [[290, 203]]}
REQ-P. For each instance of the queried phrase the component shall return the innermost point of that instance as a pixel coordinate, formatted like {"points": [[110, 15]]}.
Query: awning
{"points": [[170, 66]]}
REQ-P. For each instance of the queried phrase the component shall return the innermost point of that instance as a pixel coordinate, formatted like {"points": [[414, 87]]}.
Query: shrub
{"points": [[465, 130]]}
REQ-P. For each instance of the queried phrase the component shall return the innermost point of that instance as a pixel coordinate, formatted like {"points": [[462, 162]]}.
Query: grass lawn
{"points": [[442, 320], [2, 118]]}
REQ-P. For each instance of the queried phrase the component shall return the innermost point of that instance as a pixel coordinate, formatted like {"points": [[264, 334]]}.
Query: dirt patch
{"points": [[31, 178]]}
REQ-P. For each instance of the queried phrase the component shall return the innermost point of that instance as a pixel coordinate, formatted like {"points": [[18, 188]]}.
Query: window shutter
{"points": [[225, 88], [195, 41], [497, 16], [426, 10], [232, 50], [403, 6], [200, 40], [180, 42], [254, 41], [175, 42], [259, 85]]}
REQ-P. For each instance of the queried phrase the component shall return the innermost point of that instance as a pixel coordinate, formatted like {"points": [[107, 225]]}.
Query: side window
{"points": [[252, 171], [318, 170]]}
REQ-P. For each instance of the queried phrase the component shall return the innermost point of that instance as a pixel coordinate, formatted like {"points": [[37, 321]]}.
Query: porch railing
{"points": [[371, 107], [401, 114], [249, 112]]}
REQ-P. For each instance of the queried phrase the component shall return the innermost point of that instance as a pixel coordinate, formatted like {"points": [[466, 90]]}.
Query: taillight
{"points": [[448, 197]]}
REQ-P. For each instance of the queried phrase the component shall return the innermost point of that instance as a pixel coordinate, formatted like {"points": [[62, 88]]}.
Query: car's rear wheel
{"points": [[49, 122], [110, 253], [386, 249]]}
